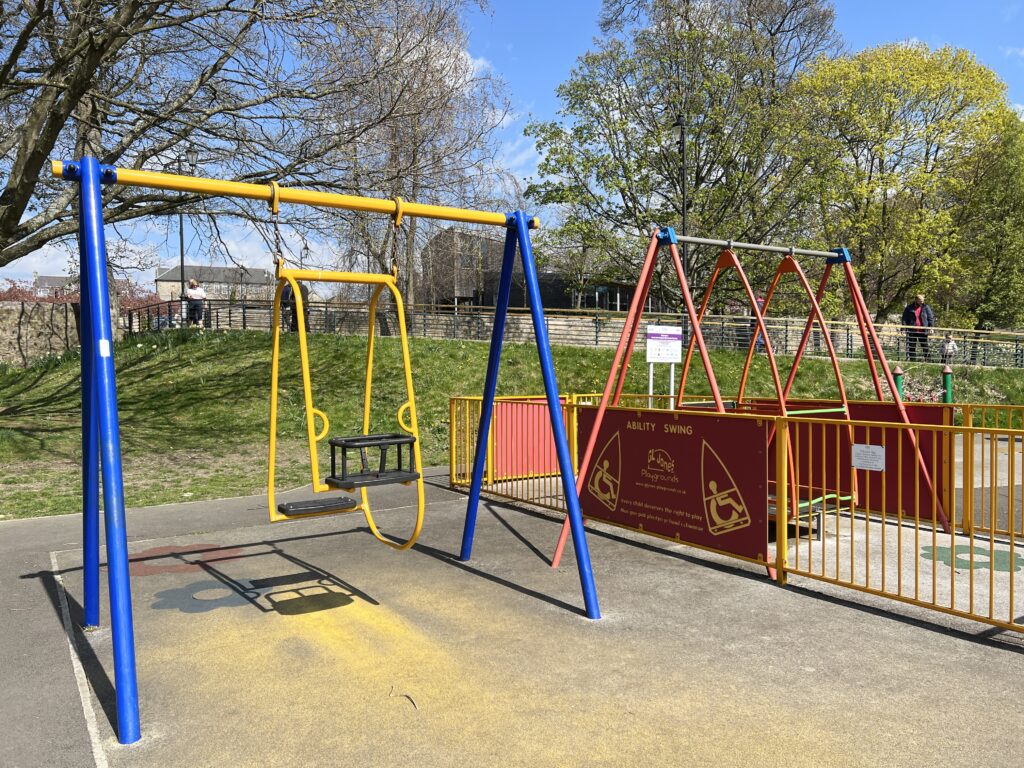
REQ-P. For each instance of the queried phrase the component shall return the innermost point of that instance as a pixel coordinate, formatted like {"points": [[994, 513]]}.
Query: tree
{"points": [[990, 279], [727, 67], [893, 137], [441, 148], [265, 91], [578, 250]]}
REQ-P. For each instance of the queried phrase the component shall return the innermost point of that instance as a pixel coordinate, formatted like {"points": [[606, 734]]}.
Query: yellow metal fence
{"points": [[994, 448], [877, 530], [888, 536], [521, 463]]}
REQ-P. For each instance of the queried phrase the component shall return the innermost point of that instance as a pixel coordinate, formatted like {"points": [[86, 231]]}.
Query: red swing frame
{"points": [[728, 259]]}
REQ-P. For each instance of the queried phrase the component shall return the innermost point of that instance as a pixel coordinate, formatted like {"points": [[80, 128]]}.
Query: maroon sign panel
{"points": [[697, 478]]}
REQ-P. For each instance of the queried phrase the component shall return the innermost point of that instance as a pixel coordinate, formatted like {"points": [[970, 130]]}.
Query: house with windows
{"points": [[223, 283], [53, 286]]}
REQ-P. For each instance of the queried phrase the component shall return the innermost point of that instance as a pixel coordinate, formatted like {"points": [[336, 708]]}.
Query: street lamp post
{"points": [[680, 130], [191, 157]]}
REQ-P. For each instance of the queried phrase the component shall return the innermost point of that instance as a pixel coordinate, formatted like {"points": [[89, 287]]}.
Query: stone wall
{"points": [[30, 331]]}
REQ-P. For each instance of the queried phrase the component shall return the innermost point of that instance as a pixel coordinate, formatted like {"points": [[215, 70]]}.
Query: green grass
{"points": [[194, 407]]}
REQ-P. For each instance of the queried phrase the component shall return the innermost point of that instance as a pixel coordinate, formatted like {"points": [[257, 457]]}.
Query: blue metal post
{"points": [[519, 231], [94, 267], [490, 388], [547, 367], [90, 451]]}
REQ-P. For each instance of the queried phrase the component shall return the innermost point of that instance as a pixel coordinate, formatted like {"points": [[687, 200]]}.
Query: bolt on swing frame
{"points": [[100, 428]]}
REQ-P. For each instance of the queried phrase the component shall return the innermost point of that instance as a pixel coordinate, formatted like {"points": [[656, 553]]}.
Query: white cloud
{"points": [[519, 156], [508, 119], [1020, 110], [480, 65], [1012, 51]]}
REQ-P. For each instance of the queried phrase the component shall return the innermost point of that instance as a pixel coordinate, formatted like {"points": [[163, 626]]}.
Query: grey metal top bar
{"points": [[753, 246]]}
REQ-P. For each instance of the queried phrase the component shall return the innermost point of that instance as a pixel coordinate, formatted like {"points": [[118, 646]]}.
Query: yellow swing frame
{"points": [[274, 195], [292, 277]]}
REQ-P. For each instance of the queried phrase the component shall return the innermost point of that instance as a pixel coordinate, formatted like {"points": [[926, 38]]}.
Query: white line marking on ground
{"points": [[98, 755]]}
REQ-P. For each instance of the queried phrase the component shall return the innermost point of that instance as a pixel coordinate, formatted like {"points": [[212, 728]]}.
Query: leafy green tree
{"points": [[892, 138], [726, 68], [990, 282]]}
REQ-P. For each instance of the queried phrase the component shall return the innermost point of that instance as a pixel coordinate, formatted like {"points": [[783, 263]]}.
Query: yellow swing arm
{"points": [[292, 277]]}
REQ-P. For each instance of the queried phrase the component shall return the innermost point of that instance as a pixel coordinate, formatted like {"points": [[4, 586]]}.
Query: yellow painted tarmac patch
{"points": [[363, 685]]}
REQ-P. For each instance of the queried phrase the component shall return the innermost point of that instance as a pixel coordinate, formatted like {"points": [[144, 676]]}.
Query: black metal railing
{"points": [[588, 328]]}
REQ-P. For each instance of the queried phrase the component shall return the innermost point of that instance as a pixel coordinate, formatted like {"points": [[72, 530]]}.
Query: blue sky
{"points": [[533, 44]]}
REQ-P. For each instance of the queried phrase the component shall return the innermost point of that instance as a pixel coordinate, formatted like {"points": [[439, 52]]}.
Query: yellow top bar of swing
{"points": [[199, 185], [327, 276]]}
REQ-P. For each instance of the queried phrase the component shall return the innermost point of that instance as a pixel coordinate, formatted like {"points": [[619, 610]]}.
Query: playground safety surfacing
{"points": [[309, 643]]}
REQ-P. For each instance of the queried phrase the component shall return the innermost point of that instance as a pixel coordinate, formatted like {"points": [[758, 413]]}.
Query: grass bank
{"points": [[194, 407]]}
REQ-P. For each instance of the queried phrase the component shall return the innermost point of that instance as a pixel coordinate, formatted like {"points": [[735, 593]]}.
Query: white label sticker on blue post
{"points": [[870, 457], [104, 347]]}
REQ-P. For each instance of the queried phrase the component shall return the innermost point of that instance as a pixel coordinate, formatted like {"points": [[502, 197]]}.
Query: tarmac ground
{"points": [[309, 643]]}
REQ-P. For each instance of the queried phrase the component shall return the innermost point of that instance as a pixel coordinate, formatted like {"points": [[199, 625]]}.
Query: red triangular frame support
{"points": [[727, 259], [661, 237]]}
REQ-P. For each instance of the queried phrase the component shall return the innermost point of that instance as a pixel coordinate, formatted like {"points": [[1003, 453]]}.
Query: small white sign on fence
{"points": [[664, 344], [870, 457]]}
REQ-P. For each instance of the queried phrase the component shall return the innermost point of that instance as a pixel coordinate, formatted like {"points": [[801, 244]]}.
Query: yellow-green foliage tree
{"points": [[991, 234], [724, 67], [896, 136]]}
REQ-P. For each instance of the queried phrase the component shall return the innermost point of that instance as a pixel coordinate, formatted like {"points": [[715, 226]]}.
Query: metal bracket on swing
{"points": [[398, 212], [275, 208]]}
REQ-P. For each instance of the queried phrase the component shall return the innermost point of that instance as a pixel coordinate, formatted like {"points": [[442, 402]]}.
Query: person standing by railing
{"points": [[288, 300], [918, 318], [196, 297]]}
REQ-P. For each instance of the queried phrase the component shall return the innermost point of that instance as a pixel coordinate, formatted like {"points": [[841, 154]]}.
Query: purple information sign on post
{"points": [[664, 344]]}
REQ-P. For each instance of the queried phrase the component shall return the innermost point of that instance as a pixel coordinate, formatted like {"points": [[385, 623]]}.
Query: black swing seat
{"points": [[382, 474], [317, 506]]}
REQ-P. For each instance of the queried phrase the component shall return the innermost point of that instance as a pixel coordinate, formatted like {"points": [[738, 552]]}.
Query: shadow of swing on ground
{"points": [[294, 593], [308, 590], [305, 591]]}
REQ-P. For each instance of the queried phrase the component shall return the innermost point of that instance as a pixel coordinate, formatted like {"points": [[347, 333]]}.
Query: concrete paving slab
{"points": [[310, 643]]}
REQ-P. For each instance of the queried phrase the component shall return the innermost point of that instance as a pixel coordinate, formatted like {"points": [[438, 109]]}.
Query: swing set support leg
{"points": [[518, 234], [102, 450]]}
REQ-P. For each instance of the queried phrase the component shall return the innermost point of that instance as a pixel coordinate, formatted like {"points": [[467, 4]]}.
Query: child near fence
{"points": [[948, 349]]}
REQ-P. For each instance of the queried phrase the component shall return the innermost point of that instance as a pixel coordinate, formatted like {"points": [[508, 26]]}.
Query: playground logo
{"points": [[723, 503], [658, 460], [605, 477]]}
